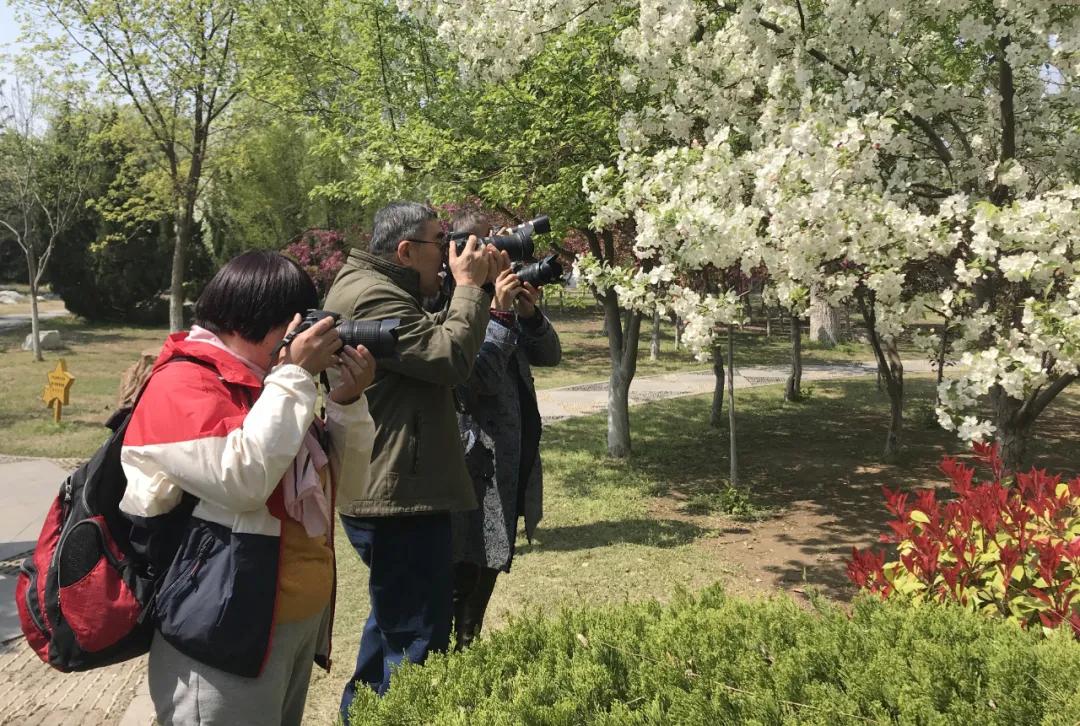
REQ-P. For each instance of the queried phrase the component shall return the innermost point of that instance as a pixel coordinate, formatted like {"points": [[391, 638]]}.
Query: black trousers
{"points": [[473, 585]]}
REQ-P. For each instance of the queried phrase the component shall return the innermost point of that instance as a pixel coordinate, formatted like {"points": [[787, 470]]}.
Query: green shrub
{"points": [[722, 660]]}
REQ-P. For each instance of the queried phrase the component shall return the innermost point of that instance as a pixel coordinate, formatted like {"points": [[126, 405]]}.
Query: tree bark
{"points": [[1013, 430], [1014, 420], [890, 371], [793, 392], [622, 349], [716, 415], [35, 324], [654, 348], [176, 284], [734, 479], [824, 321]]}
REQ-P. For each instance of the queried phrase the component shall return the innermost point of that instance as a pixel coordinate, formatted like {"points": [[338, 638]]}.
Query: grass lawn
{"points": [[618, 531], [96, 355]]}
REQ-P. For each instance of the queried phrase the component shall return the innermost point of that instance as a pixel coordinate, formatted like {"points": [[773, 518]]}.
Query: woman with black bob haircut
{"points": [[227, 429]]}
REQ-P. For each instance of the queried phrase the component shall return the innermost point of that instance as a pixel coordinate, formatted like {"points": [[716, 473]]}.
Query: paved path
{"points": [[34, 694], [587, 398]]}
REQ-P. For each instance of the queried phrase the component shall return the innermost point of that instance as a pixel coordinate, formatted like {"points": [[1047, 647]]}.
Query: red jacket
{"points": [[211, 429]]}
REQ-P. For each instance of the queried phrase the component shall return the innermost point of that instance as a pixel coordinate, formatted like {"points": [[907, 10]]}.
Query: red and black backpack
{"points": [[85, 595]]}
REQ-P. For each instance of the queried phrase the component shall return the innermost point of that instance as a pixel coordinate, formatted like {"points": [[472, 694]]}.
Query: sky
{"points": [[9, 33]]}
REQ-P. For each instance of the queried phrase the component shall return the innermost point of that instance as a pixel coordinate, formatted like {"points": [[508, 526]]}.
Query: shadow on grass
{"points": [[818, 464], [662, 533]]}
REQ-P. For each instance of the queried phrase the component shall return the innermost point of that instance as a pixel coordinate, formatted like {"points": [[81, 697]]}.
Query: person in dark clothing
{"points": [[500, 431]]}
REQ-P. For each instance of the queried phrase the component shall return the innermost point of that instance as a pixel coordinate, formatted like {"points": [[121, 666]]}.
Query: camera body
{"points": [[380, 337], [517, 242]]}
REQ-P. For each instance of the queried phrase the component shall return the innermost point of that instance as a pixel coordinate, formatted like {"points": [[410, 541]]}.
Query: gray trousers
{"points": [[185, 691]]}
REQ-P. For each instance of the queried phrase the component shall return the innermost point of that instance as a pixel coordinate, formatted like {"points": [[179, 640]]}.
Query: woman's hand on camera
{"points": [[507, 288], [357, 369], [315, 349], [526, 300]]}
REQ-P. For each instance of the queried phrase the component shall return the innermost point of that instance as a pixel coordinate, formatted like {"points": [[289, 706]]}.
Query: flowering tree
{"points": [[321, 252], [891, 153], [383, 95]]}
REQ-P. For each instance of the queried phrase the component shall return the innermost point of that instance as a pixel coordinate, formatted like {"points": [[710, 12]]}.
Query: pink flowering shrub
{"points": [[321, 252]]}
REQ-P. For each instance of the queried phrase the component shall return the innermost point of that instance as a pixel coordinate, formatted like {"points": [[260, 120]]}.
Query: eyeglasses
{"points": [[440, 240]]}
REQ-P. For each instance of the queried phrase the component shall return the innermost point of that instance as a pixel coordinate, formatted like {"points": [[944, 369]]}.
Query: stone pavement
{"points": [[31, 693]]}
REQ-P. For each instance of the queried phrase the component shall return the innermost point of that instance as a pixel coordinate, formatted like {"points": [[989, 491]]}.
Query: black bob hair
{"points": [[254, 293]]}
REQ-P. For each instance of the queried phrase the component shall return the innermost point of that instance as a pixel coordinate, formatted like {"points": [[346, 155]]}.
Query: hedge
{"points": [[716, 659]]}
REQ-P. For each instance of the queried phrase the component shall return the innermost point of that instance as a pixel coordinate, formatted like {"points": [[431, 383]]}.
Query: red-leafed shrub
{"points": [[321, 252], [1007, 547]]}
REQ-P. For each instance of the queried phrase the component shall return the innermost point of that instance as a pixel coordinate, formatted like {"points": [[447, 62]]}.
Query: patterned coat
{"points": [[491, 433]]}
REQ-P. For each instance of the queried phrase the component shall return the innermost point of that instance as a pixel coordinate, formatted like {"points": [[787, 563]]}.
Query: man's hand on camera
{"points": [[507, 288], [357, 369], [498, 262], [315, 349], [472, 266], [525, 304]]}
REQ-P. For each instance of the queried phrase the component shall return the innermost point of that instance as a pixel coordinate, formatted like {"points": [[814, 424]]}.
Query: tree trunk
{"points": [[716, 415], [1013, 430], [731, 405], [35, 324], [940, 363], [794, 381], [891, 372], [623, 350], [654, 348], [176, 287], [824, 321], [678, 333]]}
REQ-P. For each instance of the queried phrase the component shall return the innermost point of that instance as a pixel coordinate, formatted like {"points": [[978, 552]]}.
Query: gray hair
{"points": [[395, 222]]}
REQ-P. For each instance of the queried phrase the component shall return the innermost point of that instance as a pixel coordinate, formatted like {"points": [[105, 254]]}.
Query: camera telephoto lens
{"points": [[517, 243], [380, 337], [544, 272]]}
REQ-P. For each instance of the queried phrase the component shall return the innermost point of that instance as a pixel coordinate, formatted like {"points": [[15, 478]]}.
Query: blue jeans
{"points": [[411, 589]]}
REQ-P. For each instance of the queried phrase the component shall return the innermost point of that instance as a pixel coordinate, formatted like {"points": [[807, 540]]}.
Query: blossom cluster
{"points": [[918, 156]]}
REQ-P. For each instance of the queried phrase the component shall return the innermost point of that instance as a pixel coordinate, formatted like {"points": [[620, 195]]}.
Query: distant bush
{"points": [[1009, 546], [720, 660], [126, 279]]}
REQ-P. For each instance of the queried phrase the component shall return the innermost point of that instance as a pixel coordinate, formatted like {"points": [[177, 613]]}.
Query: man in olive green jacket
{"points": [[399, 521]]}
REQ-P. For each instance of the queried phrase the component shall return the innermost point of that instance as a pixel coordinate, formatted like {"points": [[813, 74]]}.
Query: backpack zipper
{"points": [[30, 589]]}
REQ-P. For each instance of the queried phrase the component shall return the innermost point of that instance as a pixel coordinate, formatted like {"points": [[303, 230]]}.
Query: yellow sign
{"points": [[57, 390]]}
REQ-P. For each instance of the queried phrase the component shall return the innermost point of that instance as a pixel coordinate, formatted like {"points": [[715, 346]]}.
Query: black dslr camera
{"points": [[380, 337], [517, 242], [544, 272]]}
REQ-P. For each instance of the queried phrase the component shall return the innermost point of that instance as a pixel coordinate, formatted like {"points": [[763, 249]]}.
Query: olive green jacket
{"points": [[417, 464]]}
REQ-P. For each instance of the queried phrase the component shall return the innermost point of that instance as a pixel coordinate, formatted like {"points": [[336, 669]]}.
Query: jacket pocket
{"points": [[217, 604]]}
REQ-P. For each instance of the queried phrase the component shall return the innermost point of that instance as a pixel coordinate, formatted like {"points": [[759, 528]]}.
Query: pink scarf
{"points": [[305, 500]]}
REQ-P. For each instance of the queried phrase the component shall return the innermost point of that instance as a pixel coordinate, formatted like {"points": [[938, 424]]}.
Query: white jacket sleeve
{"points": [[351, 432], [238, 464]]}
